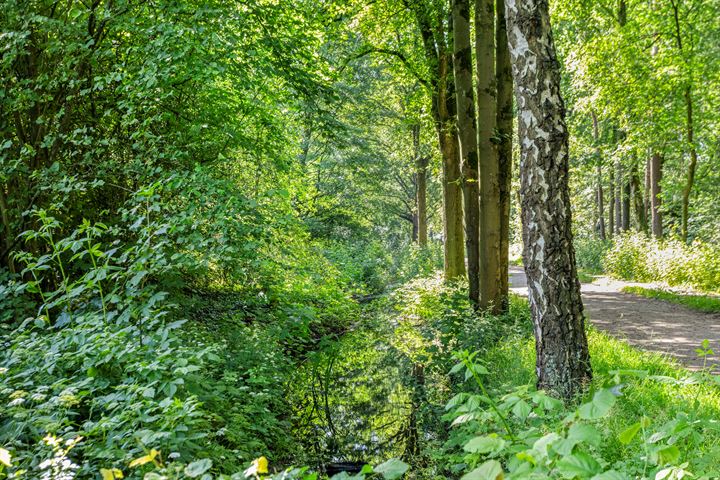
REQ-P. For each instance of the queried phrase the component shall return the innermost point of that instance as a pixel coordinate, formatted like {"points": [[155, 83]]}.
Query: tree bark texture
{"points": [[441, 84], [625, 205], [421, 164], [656, 162], [563, 360], [617, 195], [611, 203], [599, 194], [504, 122], [636, 193], [490, 209], [468, 141], [691, 167]]}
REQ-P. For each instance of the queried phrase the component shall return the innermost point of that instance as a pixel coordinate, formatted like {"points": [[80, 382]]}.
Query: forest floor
{"points": [[649, 324]]}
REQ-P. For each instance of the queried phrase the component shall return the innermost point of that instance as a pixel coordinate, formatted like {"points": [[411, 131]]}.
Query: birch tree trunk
{"points": [[467, 136], [490, 208], [504, 121], [563, 360]]}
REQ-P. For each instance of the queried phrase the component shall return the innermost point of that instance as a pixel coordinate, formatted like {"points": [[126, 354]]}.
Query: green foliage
{"points": [[703, 303], [636, 257], [589, 253], [523, 433]]}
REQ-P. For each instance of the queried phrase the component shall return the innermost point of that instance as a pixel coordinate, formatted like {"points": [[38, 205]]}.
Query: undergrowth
{"points": [[636, 257]]}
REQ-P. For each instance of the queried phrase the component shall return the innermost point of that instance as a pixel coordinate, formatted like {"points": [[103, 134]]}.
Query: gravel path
{"points": [[650, 324]]}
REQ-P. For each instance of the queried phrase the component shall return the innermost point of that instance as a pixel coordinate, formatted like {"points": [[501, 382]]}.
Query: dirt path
{"points": [[650, 324]]}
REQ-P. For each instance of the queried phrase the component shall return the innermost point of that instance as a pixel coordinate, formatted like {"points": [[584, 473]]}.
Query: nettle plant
{"points": [[527, 434], [100, 363]]}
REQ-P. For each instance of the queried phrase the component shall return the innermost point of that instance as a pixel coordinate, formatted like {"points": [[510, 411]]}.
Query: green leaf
{"points": [[490, 470], [670, 454], [198, 467], [484, 444], [599, 406], [627, 435], [521, 410], [584, 433], [392, 469], [578, 465]]}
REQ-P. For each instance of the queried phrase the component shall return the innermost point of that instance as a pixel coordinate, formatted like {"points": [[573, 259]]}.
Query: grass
{"points": [[702, 303], [667, 390]]}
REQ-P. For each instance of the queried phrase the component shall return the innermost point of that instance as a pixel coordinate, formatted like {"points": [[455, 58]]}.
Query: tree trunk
{"points": [[504, 121], [690, 129], [611, 203], [441, 85], [490, 212], [421, 164], [626, 206], [617, 194], [6, 231], [563, 360], [691, 168], [599, 194], [646, 193], [655, 200], [467, 136], [452, 204], [637, 196]]}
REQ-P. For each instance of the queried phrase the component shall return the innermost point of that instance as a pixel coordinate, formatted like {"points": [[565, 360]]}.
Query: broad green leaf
{"points": [[584, 433], [198, 467], [627, 435], [667, 455], [521, 409], [490, 470], [392, 469], [578, 465], [599, 406], [484, 444]]}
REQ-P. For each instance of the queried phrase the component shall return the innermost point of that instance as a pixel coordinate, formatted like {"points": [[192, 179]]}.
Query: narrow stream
{"points": [[362, 399]]}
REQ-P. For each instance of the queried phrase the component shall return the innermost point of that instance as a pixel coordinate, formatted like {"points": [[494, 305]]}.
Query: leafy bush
{"points": [[636, 257], [526, 434], [589, 253]]}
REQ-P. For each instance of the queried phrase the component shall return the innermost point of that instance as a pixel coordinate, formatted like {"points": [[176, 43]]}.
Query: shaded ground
{"points": [[650, 324]]}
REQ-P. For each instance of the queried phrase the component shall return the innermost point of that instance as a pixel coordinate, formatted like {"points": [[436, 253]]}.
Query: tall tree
{"points": [[438, 57], [599, 200], [563, 360], [656, 162], [468, 141], [503, 79], [689, 122], [490, 209], [421, 166]]}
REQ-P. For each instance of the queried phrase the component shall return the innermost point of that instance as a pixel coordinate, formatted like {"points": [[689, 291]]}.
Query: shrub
{"points": [[636, 257], [589, 253]]}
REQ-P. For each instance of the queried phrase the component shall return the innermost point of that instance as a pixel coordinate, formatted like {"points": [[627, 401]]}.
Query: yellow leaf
{"points": [[262, 465], [259, 465], [4, 457], [111, 474], [145, 459]]}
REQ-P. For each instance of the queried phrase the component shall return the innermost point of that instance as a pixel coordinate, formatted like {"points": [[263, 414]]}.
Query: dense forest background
{"points": [[234, 231]]}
